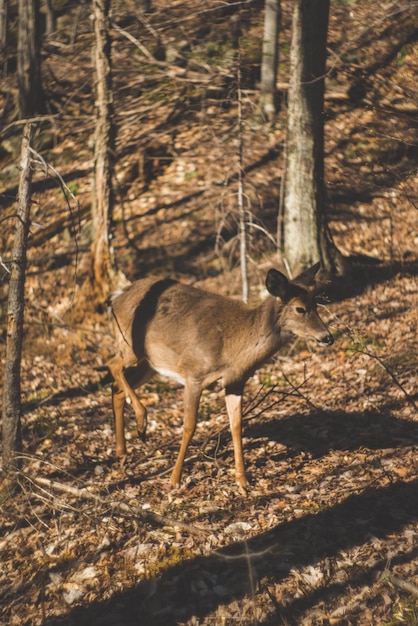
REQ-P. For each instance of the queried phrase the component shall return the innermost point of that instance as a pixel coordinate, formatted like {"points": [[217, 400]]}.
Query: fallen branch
{"points": [[400, 583], [146, 516]]}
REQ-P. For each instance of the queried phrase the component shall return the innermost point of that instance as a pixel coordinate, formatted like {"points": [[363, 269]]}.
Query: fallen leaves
{"points": [[328, 532]]}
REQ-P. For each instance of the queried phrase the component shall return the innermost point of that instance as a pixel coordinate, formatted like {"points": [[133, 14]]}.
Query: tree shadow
{"points": [[407, 33], [366, 272], [319, 432], [364, 578], [71, 392], [197, 587]]}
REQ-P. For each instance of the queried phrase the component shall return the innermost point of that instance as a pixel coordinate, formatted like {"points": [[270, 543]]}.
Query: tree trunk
{"points": [[51, 21], [241, 210], [306, 235], [270, 58], [31, 96], [104, 268], [15, 313], [3, 31]]}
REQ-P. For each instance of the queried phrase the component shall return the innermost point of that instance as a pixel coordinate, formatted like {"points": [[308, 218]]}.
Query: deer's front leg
{"points": [[233, 401]]}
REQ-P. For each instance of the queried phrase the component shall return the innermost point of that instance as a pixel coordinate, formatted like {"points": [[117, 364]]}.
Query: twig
{"points": [[173, 71], [68, 194], [2, 264], [299, 393], [139, 45], [362, 349], [34, 120], [253, 404], [263, 230], [387, 369], [147, 516], [65, 188]]}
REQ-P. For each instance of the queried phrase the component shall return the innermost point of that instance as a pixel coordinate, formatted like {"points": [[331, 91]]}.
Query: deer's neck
{"points": [[268, 320], [264, 336]]}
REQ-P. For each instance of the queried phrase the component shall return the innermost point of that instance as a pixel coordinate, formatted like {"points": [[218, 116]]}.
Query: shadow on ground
{"points": [[319, 432], [199, 586]]}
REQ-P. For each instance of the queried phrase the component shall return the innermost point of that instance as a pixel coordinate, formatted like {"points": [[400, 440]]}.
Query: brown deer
{"points": [[197, 338]]}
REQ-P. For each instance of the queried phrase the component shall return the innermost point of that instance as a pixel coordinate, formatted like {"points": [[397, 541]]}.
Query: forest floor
{"points": [[328, 533]]}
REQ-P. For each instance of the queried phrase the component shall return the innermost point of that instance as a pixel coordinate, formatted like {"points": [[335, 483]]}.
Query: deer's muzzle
{"points": [[326, 340]]}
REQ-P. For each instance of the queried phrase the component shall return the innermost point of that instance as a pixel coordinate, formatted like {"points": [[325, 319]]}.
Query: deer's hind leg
{"points": [[192, 391]]}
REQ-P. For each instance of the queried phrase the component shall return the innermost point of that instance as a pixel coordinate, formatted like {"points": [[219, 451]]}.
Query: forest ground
{"points": [[328, 533]]}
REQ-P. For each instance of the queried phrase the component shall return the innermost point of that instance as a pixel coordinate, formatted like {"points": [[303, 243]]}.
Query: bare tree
{"points": [[51, 18], [240, 196], [31, 94], [105, 274], [270, 58], [306, 234], [3, 25], [15, 313]]}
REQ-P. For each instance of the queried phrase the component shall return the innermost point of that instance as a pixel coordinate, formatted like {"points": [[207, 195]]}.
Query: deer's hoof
{"points": [[142, 435], [175, 480], [122, 459], [243, 485]]}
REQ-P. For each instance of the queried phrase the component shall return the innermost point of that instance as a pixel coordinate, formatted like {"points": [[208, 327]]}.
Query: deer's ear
{"points": [[307, 277], [277, 284]]}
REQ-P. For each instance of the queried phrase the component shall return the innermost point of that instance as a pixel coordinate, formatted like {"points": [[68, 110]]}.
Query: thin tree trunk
{"points": [[51, 22], [3, 32], [270, 58], [15, 313], [241, 210], [31, 96], [242, 224], [307, 238], [104, 269]]}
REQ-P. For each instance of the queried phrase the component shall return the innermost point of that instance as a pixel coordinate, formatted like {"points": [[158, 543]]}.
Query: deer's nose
{"points": [[326, 340]]}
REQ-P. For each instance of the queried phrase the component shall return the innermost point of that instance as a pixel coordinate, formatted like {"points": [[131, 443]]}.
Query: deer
{"points": [[198, 338]]}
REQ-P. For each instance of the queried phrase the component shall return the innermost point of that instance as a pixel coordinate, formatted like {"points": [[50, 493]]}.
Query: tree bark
{"points": [[31, 95], [104, 267], [306, 235], [15, 314], [240, 198], [270, 58], [3, 25], [51, 20]]}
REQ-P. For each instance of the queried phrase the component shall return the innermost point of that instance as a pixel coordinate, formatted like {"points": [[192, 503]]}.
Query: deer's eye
{"points": [[300, 310]]}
